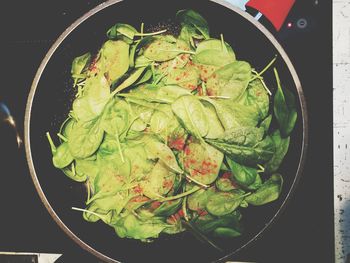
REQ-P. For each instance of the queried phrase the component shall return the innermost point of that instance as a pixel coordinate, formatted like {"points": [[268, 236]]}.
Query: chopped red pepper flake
{"points": [[177, 143], [226, 175], [155, 204]]}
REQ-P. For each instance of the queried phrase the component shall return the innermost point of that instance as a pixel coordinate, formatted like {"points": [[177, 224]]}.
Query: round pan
{"points": [[51, 97]]}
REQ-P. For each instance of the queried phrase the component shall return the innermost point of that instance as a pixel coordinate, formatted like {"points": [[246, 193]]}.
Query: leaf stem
{"points": [[259, 74], [150, 34], [184, 209], [179, 50], [142, 28], [120, 148], [204, 89], [102, 217], [170, 198], [223, 46], [52, 145], [62, 137], [195, 181]]}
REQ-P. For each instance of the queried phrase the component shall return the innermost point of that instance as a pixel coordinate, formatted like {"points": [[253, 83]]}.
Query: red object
{"points": [[274, 10]]}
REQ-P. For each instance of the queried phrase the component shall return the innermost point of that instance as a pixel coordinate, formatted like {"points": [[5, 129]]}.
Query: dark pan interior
{"points": [[52, 102]]}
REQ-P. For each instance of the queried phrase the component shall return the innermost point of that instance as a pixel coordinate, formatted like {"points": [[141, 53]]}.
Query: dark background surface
{"points": [[303, 233]]}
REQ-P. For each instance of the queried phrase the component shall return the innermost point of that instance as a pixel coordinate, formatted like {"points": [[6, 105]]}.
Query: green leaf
{"points": [[227, 232], [256, 96], [215, 127], [224, 184], [163, 49], [284, 108], [266, 123], [281, 145], [166, 209], [187, 77], [87, 169], [122, 31], [171, 93], [62, 156], [159, 182], [230, 81], [95, 98], [245, 145], [192, 19], [243, 175], [85, 138], [135, 48], [233, 115], [130, 227], [79, 65], [114, 60], [202, 161], [198, 200], [268, 192], [115, 119], [214, 44], [164, 153], [213, 57], [221, 204], [209, 223], [192, 116], [134, 76]]}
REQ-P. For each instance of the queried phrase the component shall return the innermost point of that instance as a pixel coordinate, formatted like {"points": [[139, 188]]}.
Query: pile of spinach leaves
{"points": [[173, 131]]}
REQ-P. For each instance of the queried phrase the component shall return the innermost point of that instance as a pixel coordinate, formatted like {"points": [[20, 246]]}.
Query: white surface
{"points": [[42, 257], [341, 85]]}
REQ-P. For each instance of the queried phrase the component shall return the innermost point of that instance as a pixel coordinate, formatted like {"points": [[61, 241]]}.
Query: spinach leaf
{"points": [[268, 192], [281, 145], [170, 94], [161, 151], [191, 114], [227, 232], [221, 204], [164, 49], [115, 119], [213, 57], [208, 223], [124, 32], [202, 161], [167, 208], [214, 44], [85, 138], [231, 80], [79, 65], [284, 108], [243, 175], [245, 145], [187, 77], [225, 184], [134, 76], [198, 200], [215, 127], [62, 156], [127, 33], [256, 96], [159, 182], [233, 115], [95, 98], [266, 123], [114, 60], [194, 20], [136, 47], [131, 227]]}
